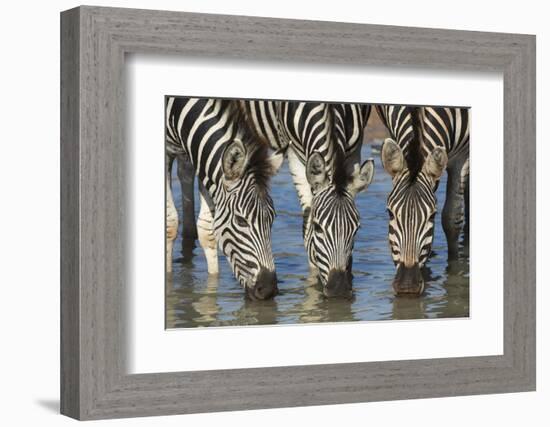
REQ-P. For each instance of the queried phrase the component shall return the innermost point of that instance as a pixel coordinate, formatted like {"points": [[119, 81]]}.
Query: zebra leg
{"points": [[205, 231], [186, 176], [171, 216], [453, 212]]}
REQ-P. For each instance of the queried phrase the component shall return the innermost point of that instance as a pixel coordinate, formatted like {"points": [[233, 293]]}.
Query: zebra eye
{"points": [[241, 221], [317, 227], [390, 213]]}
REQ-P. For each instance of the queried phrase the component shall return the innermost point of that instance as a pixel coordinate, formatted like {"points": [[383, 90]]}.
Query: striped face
{"points": [[330, 233], [243, 228], [411, 208], [332, 222], [243, 218]]}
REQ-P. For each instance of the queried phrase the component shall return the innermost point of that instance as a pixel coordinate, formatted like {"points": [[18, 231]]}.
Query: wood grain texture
{"points": [[70, 292], [94, 382]]}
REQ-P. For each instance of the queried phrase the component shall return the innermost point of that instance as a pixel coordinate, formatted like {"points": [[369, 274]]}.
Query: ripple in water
{"points": [[194, 299]]}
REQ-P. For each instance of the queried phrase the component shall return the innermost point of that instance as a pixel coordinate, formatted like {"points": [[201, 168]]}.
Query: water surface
{"points": [[193, 298]]}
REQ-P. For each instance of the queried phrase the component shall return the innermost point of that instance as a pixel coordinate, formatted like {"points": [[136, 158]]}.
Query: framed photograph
{"points": [[261, 213]]}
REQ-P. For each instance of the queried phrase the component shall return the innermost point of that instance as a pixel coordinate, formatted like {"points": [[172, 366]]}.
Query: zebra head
{"points": [[411, 207], [332, 222], [244, 215]]}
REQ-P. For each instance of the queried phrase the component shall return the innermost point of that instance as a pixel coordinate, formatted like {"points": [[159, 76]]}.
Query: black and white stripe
{"points": [[425, 142], [263, 116], [350, 120], [323, 143], [233, 168]]}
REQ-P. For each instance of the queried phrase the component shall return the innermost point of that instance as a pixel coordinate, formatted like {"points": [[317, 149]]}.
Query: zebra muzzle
{"points": [[408, 280], [265, 286], [338, 284]]}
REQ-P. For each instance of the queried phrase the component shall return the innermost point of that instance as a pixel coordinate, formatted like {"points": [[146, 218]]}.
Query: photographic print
{"points": [[297, 227], [291, 212]]}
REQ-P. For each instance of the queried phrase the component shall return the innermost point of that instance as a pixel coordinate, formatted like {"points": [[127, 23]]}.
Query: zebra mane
{"points": [[414, 156], [341, 173], [257, 147], [340, 176]]}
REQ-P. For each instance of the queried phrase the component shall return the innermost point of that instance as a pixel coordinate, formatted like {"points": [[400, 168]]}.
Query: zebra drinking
{"points": [[426, 141], [233, 168], [323, 142]]}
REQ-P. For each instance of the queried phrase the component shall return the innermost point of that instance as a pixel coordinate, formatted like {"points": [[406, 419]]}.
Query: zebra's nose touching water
{"points": [[408, 280], [227, 144], [265, 286], [233, 170], [324, 142], [426, 142], [333, 221]]}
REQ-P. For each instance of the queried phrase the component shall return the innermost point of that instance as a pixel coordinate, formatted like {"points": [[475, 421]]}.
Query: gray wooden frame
{"points": [[94, 382]]}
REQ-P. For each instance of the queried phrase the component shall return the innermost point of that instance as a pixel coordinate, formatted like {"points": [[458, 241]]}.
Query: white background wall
{"points": [[29, 232]]}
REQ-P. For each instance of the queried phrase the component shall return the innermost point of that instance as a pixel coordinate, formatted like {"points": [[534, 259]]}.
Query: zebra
{"points": [[425, 141], [323, 143], [174, 154], [233, 169]]}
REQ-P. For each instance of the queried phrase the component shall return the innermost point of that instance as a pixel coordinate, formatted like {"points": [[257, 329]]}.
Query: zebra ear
{"points": [[276, 161], [361, 177], [234, 160], [392, 157], [435, 163], [316, 172]]}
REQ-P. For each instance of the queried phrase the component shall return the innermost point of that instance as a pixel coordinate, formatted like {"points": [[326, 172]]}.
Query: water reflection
{"points": [[193, 298]]}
